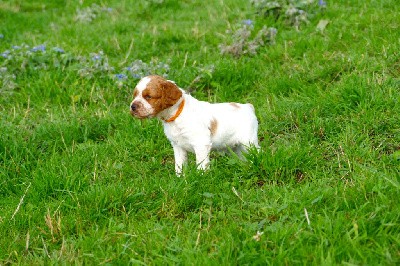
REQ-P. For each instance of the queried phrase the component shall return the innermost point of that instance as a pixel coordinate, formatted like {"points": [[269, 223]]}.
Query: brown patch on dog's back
{"points": [[237, 106], [161, 93], [213, 126]]}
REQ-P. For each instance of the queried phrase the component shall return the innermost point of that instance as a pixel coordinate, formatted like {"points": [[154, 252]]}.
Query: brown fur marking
{"points": [[213, 126], [161, 93], [237, 106]]}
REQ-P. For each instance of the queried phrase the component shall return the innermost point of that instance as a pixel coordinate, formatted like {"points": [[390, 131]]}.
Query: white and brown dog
{"points": [[192, 125]]}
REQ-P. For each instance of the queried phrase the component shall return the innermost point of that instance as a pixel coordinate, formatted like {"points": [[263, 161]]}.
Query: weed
{"points": [[90, 13], [241, 42], [293, 12]]}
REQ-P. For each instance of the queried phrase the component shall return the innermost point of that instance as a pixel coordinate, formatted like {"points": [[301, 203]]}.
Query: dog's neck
{"points": [[170, 114]]}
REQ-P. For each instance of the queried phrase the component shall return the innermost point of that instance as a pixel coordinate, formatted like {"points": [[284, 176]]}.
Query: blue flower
{"points": [[5, 54], [273, 31], [41, 47], [16, 47], [96, 57], [322, 3], [1, 36], [120, 76], [248, 22], [58, 50]]}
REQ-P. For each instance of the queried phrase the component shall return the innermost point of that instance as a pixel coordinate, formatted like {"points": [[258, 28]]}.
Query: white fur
{"points": [[141, 86], [143, 83], [190, 132], [236, 128]]}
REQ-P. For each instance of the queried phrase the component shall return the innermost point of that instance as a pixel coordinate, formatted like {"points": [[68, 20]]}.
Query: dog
{"points": [[192, 125]]}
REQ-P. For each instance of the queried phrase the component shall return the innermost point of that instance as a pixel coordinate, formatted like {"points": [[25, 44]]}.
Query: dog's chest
{"points": [[179, 136]]}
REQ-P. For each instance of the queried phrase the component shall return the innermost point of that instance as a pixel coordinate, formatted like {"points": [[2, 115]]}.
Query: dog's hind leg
{"points": [[202, 156], [238, 150]]}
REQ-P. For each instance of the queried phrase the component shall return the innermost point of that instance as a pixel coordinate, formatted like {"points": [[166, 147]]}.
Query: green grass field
{"points": [[82, 182]]}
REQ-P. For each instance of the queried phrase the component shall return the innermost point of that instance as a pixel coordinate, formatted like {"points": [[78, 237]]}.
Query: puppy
{"points": [[192, 125]]}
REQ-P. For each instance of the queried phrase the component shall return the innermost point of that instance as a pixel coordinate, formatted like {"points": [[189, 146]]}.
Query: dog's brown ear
{"points": [[171, 93]]}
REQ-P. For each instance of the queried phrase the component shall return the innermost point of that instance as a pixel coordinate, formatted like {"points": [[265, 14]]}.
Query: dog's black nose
{"points": [[133, 107]]}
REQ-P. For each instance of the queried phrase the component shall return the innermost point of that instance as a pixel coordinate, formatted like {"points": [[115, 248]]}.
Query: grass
{"points": [[81, 182]]}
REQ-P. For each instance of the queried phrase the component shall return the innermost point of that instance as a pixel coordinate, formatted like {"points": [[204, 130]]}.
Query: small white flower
{"points": [[257, 236]]}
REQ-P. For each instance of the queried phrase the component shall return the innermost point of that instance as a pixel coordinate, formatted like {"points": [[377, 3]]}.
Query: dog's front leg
{"points": [[180, 159], [202, 156]]}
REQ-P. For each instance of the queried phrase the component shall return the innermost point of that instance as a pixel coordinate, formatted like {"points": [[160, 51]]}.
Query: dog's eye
{"points": [[147, 97]]}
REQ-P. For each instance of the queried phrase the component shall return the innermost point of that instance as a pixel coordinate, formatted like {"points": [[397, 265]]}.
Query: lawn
{"points": [[82, 182]]}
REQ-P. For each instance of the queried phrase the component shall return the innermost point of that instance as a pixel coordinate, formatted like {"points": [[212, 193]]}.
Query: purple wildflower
{"points": [[5, 54], [96, 57], [248, 22], [58, 50], [41, 47], [273, 31], [322, 3], [120, 76]]}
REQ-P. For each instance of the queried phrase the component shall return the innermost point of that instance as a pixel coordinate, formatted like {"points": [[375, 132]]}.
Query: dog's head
{"points": [[152, 95]]}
